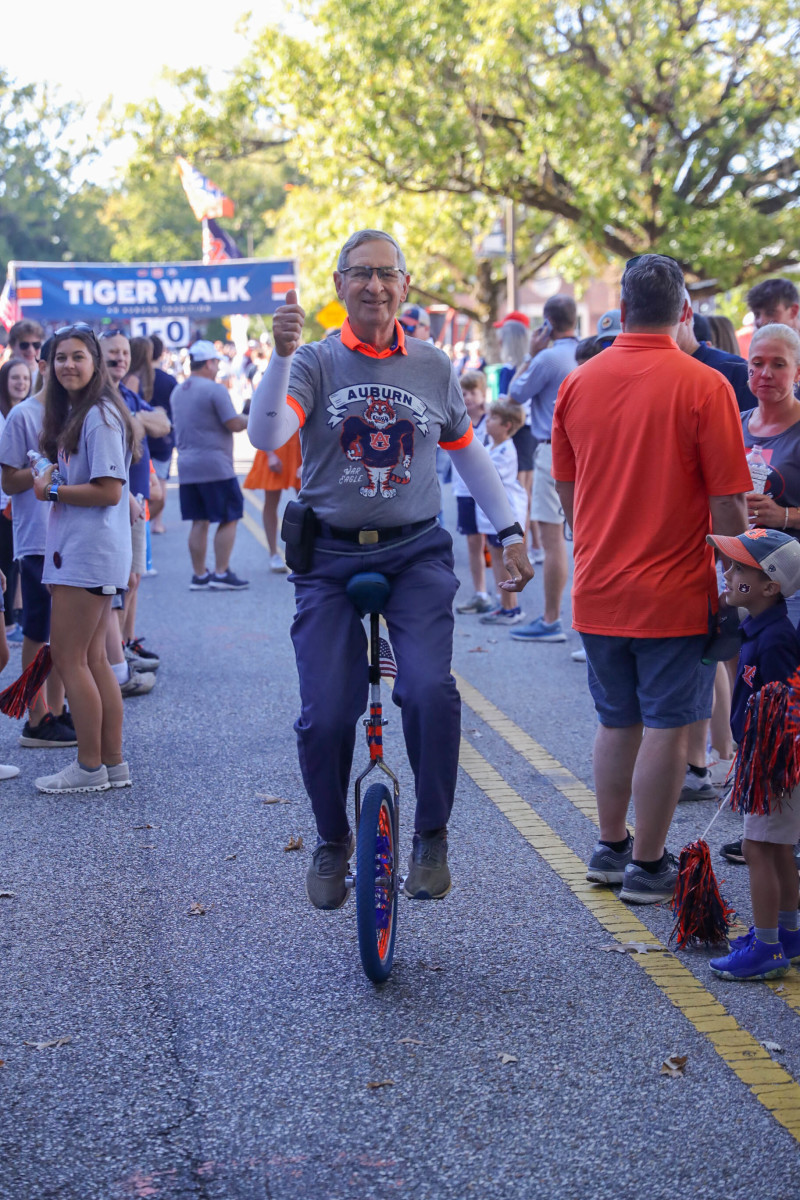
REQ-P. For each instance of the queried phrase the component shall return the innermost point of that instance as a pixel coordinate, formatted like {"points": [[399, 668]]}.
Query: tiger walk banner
{"points": [[70, 292]]}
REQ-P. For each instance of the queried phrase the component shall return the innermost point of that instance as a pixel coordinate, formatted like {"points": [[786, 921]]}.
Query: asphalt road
{"points": [[228, 1055]]}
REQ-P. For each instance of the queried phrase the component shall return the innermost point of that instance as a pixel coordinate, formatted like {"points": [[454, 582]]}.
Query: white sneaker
{"points": [[720, 769], [578, 655], [697, 788], [74, 779], [8, 772], [119, 775], [277, 564]]}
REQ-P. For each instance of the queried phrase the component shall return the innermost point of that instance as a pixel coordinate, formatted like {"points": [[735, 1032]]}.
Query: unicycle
{"points": [[376, 881]]}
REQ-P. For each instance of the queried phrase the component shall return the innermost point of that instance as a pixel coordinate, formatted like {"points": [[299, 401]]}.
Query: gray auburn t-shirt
{"points": [[200, 409], [91, 547], [371, 430], [21, 434]]}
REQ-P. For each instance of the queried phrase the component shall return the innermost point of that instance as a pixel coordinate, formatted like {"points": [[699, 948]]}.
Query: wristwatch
{"points": [[516, 528], [52, 492]]}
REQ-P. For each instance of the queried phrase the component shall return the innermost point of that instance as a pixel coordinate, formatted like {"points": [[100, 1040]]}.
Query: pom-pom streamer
{"points": [[768, 759], [702, 915], [20, 695]]}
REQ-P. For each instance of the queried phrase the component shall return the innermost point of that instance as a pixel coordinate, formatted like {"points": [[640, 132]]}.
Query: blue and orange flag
{"points": [[206, 199], [218, 245]]}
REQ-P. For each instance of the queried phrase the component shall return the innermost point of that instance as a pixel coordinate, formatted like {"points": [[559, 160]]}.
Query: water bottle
{"points": [[759, 471], [39, 463]]}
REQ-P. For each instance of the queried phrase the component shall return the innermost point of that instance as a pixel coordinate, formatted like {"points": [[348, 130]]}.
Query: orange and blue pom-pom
{"points": [[702, 915], [20, 695]]}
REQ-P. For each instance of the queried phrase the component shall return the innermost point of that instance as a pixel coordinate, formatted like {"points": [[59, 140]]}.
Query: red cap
{"points": [[514, 316]]}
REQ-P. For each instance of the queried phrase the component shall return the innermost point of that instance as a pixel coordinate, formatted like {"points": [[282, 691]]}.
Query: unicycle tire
{"points": [[376, 895]]}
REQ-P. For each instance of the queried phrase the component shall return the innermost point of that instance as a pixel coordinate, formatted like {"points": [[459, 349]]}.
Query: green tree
{"points": [[638, 125], [44, 214], [148, 215]]}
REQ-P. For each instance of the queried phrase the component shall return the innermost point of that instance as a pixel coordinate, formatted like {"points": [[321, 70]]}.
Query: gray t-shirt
{"points": [[21, 434], [200, 409], [372, 424], [91, 547], [537, 388]]}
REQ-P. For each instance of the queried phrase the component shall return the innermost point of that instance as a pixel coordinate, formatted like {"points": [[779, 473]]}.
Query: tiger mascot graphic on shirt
{"points": [[382, 445]]}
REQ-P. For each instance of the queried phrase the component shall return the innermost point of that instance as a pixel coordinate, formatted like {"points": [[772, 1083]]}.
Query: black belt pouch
{"points": [[298, 531]]}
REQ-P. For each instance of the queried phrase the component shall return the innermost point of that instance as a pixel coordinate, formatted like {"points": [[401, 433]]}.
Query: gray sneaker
{"points": [[325, 877], [477, 604], [428, 873], [697, 787], [119, 775], [607, 865], [642, 887], [139, 683], [74, 779]]}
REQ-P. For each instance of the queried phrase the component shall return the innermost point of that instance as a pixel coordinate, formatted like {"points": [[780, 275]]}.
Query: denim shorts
{"points": [[658, 682], [35, 598], [466, 522]]}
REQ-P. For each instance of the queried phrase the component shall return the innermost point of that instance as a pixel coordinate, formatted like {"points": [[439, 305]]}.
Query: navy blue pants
{"points": [[330, 644]]}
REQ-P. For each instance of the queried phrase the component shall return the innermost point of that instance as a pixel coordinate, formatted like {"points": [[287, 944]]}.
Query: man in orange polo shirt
{"points": [[647, 455], [372, 407]]}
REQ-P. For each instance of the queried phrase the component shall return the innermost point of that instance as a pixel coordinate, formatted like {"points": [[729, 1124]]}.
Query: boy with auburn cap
{"points": [[765, 567]]}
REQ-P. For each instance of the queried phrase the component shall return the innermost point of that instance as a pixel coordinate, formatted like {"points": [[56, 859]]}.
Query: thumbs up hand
{"points": [[287, 325]]}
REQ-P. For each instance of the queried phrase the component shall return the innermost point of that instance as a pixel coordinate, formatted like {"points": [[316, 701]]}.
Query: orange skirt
{"points": [[261, 478]]}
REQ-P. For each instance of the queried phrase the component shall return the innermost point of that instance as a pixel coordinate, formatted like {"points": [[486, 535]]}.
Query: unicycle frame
{"points": [[374, 724]]}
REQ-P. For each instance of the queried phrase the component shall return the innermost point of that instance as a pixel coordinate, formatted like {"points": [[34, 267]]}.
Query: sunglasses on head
{"points": [[29, 345], [109, 333], [78, 327]]}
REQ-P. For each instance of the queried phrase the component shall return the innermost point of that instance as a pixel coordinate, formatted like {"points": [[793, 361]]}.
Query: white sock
{"points": [[122, 672]]}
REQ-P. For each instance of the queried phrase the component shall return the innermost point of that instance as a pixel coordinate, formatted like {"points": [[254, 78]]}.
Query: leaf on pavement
{"points": [[379, 1083], [411, 1042], [268, 799], [7, 895], [477, 650], [674, 1065], [505, 1059], [196, 909], [146, 827], [51, 1045], [780, 988], [294, 843], [773, 1047], [230, 857]]}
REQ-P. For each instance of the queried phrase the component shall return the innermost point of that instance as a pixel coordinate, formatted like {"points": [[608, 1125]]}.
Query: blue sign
{"points": [[91, 291]]}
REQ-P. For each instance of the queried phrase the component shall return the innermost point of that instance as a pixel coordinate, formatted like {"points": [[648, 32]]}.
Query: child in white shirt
{"points": [[502, 422]]}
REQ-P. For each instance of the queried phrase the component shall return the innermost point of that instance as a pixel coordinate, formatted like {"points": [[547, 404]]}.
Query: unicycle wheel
{"points": [[376, 895]]}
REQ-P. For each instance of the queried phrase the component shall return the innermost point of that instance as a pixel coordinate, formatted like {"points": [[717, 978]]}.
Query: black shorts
{"points": [[218, 502], [466, 515], [525, 445], [105, 591], [35, 598]]}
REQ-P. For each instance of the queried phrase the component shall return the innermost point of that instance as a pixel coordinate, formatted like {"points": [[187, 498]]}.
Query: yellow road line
{"points": [[772, 1086], [578, 794], [256, 530]]}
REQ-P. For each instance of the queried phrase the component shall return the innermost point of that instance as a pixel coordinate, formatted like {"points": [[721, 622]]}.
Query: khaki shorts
{"points": [[545, 504], [781, 826], [139, 543]]}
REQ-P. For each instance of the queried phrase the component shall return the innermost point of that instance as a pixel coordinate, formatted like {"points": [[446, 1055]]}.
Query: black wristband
{"points": [[515, 528]]}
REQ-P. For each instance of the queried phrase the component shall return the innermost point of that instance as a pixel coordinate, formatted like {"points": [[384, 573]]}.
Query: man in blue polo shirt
{"points": [[693, 338]]}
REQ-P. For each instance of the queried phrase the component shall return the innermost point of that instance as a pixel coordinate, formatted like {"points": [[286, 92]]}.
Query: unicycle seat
{"points": [[368, 592]]}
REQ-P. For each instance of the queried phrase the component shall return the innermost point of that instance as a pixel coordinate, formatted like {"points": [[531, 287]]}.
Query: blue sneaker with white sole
{"points": [[754, 961], [540, 631], [789, 940]]}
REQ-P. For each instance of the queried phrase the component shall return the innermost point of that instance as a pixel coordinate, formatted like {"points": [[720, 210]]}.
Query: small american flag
{"points": [[9, 309], [387, 664]]}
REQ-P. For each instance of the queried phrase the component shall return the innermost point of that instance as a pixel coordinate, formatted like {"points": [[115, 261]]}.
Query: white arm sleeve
{"points": [[477, 470], [272, 422]]}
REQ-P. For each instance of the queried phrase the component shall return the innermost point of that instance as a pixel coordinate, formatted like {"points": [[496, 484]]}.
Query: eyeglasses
{"points": [[364, 274], [29, 345], [109, 333]]}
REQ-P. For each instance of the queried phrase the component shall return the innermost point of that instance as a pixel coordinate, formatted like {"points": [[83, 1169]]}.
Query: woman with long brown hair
{"points": [[87, 432]]}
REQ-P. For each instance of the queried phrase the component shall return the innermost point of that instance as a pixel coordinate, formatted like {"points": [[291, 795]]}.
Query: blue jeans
{"points": [[330, 646]]}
